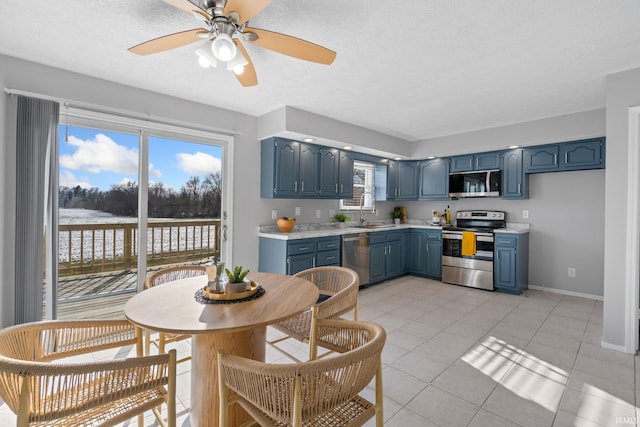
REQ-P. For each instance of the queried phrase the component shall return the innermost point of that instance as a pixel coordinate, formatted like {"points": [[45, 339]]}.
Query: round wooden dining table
{"points": [[238, 328]]}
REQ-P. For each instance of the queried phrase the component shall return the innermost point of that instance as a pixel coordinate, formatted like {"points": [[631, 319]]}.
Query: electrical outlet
{"points": [[525, 214], [297, 210], [318, 213], [274, 214], [572, 272]]}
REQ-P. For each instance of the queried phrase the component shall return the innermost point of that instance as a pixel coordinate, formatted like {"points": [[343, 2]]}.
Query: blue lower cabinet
{"points": [[386, 255], [511, 263], [425, 253], [433, 255], [293, 256]]}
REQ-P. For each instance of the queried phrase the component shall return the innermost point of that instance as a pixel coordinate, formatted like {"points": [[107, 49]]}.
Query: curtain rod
{"points": [[120, 113]]}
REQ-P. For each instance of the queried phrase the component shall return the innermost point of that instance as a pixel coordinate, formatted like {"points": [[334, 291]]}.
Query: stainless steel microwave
{"points": [[475, 184]]}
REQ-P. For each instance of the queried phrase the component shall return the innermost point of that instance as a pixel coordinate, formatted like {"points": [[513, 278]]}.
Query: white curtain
{"points": [[36, 203]]}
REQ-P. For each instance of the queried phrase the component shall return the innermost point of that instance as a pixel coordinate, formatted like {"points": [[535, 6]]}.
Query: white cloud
{"points": [[199, 164], [102, 154], [68, 179]]}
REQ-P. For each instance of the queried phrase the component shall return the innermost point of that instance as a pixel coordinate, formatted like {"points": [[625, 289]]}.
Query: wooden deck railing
{"points": [[94, 248]]}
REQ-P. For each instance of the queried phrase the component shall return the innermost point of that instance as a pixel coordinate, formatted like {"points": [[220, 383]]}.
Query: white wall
{"points": [[36, 78], [566, 218], [623, 92]]}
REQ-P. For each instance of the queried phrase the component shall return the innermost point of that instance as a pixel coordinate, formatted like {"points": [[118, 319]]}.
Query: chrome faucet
{"points": [[362, 218]]}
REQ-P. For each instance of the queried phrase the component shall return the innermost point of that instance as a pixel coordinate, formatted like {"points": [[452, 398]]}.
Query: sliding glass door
{"points": [[132, 198]]}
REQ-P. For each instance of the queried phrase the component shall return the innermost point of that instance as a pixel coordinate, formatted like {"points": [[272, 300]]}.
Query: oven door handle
{"points": [[479, 237]]}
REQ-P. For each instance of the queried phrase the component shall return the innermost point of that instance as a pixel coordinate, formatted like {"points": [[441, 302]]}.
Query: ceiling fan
{"points": [[226, 24]]}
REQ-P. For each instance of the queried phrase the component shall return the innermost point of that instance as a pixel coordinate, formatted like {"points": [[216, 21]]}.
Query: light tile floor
{"points": [[457, 356]]}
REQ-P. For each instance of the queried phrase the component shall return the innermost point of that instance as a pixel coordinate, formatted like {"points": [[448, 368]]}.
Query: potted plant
{"points": [[397, 216], [237, 280], [341, 218]]}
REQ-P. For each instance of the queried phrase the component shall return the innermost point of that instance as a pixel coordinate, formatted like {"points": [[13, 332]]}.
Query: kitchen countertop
{"points": [[337, 231], [273, 233]]}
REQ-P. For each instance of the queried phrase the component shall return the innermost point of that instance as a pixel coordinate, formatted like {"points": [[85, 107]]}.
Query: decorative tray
{"points": [[251, 291]]}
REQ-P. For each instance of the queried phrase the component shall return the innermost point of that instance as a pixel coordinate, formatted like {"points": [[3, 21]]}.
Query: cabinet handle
{"points": [[518, 188], [336, 188], [295, 186], [385, 250], [330, 245], [555, 158], [330, 257], [302, 249], [313, 262], [342, 188], [302, 186], [389, 249], [426, 247], [566, 157], [477, 162]]}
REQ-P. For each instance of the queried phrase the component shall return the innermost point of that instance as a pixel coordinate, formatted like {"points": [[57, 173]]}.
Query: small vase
{"points": [[396, 221], [236, 288]]}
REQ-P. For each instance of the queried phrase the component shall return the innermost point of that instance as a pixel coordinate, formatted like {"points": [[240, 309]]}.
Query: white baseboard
{"points": [[563, 292], [620, 348]]}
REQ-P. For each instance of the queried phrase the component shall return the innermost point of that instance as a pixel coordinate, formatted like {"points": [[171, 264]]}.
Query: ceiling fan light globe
{"points": [[238, 70], [223, 48], [204, 62]]}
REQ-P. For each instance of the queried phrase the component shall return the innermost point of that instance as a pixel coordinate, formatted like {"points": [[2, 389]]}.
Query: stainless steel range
{"points": [[474, 269]]}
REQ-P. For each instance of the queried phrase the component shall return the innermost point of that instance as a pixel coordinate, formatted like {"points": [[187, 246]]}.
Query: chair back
{"points": [[309, 388], [340, 284], [174, 273]]}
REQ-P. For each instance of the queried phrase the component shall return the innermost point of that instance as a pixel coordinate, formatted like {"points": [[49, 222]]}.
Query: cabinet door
{"points": [[514, 181], [415, 251], [541, 159], [287, 159], [585, 154], [329, 170], [309, 170], [392, 180], [407, 181], [433, 255], [394, 257], [487, 161], [345, 177], [434, 179], [297, 263], [377, 262], [505, 275], [462, 163]]}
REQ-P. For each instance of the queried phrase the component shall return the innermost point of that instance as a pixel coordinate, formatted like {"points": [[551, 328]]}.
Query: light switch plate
{"points": [[274, 213], [318, 213], [297, 210]]}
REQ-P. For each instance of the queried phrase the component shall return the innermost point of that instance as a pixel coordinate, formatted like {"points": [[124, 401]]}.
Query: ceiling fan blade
{"points": [[292, 46], [247, 9], [167, 42], [248, 76], [187, 6]]}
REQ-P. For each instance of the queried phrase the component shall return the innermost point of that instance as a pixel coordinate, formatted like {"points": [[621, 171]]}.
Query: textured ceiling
{"points": [[414, 69]]}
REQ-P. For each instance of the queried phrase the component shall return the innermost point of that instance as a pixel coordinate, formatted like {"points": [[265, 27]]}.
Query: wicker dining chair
{"points": [[74, 393], [338, 288], [322, 392], [158, 278]]}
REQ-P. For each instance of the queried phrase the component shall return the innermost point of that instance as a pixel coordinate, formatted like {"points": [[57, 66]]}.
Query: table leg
{"points": [[204, 371]]}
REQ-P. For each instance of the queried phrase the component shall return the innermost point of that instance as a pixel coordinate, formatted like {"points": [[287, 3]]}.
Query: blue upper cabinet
{"points": [[329, 172], [345, 176], [476, 162], [280, 168], [541, 159], [515, 183], [392, 180], [586, 154], [434, 179], [292, 169], [408, 172], [565, 156], [309, 170]]}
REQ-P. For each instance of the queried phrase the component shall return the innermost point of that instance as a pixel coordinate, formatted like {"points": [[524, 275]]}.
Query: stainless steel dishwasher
{"points": [[355, 254]]}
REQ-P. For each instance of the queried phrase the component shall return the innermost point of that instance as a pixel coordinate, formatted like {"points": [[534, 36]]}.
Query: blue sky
{"points": [[99, 158]]}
